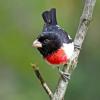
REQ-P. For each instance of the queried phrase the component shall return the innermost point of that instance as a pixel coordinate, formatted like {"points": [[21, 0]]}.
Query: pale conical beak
{"points": [[37, 44]]}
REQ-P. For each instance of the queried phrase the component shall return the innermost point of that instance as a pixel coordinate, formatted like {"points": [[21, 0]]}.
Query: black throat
{"points": [[50, 46]]}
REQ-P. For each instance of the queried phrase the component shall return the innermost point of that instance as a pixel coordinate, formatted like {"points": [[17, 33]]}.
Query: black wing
{"points": [[51, 26]]}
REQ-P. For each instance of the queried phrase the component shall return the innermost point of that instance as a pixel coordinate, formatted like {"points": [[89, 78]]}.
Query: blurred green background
{"points": [[20, 24]]}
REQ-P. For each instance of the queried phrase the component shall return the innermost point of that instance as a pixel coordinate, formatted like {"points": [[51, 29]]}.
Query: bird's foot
{"points": [[65, 76], [77, 46]]}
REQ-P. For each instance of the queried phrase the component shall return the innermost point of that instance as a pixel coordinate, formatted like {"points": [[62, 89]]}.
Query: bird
{"points": [[54, 43]]}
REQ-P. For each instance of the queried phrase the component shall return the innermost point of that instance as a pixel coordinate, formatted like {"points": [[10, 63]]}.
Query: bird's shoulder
{"points": [[57, 31]]}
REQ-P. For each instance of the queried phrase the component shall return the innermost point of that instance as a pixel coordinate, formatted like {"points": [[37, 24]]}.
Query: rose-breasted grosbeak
{"points": [[55, 45]]}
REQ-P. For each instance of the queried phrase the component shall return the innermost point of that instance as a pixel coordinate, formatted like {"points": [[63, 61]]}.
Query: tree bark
{"points": [[79, 38]]}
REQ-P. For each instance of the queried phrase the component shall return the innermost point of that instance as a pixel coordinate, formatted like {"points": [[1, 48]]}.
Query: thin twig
{"points": [[79, 38], [43, 83]]}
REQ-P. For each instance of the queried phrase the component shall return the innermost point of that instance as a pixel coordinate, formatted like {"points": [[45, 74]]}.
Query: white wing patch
{"points": [[69, 49], [69, 37]]}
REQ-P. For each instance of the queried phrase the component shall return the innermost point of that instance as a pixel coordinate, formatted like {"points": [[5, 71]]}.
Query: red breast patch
{"points": [[58, 57]]}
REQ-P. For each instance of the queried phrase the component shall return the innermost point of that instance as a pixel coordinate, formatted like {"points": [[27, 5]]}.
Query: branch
{"points": [[43, 83], [79, 38]]}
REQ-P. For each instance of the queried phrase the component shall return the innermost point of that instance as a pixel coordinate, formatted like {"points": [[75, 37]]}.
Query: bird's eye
{"points": [[46, 40]]}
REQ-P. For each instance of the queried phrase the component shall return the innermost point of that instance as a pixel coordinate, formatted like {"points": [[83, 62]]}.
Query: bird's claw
{"points": [[65, 76], [77, 46]]}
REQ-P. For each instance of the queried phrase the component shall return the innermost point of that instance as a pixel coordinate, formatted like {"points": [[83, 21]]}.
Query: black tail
{"points": [[50, 17]]}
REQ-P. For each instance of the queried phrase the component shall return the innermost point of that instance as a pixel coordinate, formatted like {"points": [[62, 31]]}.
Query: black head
{"points": [[53, 36], [50, 43]]}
